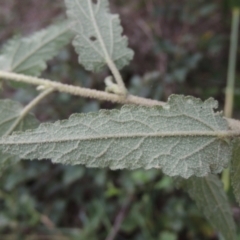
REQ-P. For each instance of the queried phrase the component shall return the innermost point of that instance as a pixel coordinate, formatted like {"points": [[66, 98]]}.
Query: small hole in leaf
{"points": [[93, 39], [95, 1]]}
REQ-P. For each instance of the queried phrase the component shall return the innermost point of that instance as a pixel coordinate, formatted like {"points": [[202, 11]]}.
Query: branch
{"points": [[79, 91], [234, 124], [94, 94], [228, 109]]}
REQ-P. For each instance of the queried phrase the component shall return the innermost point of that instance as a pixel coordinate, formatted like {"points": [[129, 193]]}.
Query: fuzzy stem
{"points": [[100, 95], [79, 91], [27, 109]]}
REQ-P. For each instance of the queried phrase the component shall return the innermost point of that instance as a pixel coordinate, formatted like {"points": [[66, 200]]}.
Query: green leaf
{"points": [[9, 113], [98, 34], [235, 170], [212, 201], [29, 55], [183, 138]]}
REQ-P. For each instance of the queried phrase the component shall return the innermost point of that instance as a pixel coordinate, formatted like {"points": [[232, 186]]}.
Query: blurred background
{"points": [[180, 47]]}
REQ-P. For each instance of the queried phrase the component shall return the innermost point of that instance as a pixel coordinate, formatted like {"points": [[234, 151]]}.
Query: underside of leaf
{"points": [[182, 138], [212, 201], [9, 112], [28, 55], [98, 34], [235, 169]]}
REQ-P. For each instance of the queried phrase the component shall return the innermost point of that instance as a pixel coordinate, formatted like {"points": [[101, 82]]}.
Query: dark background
{"points": [[181, 46]]}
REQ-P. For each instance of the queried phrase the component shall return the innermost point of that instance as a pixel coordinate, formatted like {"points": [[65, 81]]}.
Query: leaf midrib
{"points": [[106, 54], [220, 134]]}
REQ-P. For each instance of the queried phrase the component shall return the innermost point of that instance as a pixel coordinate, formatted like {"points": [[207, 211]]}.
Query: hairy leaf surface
{"points": [[209, 195], [182, 138], [29, 55], [235, 170], [98, 34], [9, 112]]}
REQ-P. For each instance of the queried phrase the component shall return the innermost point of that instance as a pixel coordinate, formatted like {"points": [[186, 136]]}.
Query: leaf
{"points": [[182, 138], [29, 55], [9, 112], [209, 195], [98, 34], [235, 170]]}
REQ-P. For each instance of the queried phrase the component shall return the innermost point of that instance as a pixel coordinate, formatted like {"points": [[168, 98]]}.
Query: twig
{"points": [[47, 222], [89, 93], [119, 219], [229, 96], [233, 124], [79, 91], [232, 63]]}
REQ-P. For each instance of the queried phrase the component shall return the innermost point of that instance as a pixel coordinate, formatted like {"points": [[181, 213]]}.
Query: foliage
{"points": [[220, 134], [10, 113], [235, 170], [182, 138], [211, 200], [29, 55], [98, 35]]}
